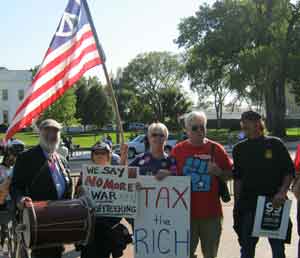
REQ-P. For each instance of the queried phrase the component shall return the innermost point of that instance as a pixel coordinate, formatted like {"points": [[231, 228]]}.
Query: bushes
{"points": [[234, 124]]}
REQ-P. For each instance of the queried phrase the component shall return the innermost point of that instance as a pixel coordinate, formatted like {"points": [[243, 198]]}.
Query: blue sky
{"points": [[125, 28]]}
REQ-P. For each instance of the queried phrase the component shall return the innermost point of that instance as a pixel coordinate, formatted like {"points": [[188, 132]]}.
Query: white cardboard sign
{"points": [[110, 189], [269, 221], [162, 226]]}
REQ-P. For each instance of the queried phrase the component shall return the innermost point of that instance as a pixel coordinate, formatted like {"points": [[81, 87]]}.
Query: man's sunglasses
{"points": [[158, 135], [195, 128]]}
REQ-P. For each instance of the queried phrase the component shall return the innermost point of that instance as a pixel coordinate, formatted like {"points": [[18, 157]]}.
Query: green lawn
{"points": [[293, 131], [84, 139], [28, 138], [88, 139]]}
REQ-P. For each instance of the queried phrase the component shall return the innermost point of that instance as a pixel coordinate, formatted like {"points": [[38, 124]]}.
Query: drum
{"points": [[50, 223]]}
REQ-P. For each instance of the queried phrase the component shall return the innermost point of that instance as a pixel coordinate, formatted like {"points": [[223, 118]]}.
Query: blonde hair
{"points": [[154, 127]]}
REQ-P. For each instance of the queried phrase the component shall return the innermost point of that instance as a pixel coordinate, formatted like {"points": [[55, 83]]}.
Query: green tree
{"points": [[97, 106], [174, 103], [81, 92], [148, 74], [63, 110], [253, 42]]}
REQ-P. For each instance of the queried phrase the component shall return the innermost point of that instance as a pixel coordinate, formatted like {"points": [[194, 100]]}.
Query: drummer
{"points": [[40, 174], [103, 244]]}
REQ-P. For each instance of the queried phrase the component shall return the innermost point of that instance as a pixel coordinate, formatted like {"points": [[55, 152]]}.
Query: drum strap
{"points": [[61, 166], [63, 171]]}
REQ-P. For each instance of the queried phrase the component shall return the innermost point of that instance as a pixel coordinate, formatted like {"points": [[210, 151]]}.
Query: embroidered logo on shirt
{"points": [[268, 154]]}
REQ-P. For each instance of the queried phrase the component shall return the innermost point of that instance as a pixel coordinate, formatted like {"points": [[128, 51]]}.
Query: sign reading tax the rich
{"points": [[162, 226], [111, 189]]}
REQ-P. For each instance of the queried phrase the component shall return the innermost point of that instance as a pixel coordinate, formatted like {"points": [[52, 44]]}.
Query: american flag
{"points": [[73, 51]]}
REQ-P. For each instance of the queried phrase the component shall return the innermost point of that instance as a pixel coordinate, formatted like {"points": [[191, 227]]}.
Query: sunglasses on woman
{"points": [[157, 135], [195, 128]]}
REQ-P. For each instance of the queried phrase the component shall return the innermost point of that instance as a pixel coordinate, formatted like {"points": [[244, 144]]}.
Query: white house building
{"points": [[13, 85]]}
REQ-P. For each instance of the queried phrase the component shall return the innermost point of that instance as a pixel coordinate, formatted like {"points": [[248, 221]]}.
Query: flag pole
{"points": [[102, 55]]}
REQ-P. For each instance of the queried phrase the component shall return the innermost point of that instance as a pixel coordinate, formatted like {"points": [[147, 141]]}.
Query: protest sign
{"points": [[111, 190], [269, 221], [162, 226]]}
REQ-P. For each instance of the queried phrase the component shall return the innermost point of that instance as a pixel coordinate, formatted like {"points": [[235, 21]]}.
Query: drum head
{"points": [[27, 231]]}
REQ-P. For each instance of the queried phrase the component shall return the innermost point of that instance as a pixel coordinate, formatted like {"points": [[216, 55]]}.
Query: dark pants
{"points": [[248, 243], [55, 252], [100, 247]]}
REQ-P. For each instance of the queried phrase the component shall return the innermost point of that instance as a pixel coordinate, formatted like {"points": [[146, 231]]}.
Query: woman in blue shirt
{"points": [[155, 162]]}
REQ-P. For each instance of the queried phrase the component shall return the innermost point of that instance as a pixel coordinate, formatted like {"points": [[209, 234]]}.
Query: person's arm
{"points": [[215, 170], [237, 186], [19, 183], [237, 174], [171, 171], [280, 197], [221, 164], [162, 173], [124, 155], [288, 171], [296, 188]]}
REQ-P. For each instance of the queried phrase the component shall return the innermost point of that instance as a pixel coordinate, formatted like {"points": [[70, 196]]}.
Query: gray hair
{"points": [[190, 117], [154, 127]]}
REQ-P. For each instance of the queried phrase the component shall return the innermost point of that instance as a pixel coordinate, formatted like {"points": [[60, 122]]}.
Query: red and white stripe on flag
{"points": [[73, 51]]}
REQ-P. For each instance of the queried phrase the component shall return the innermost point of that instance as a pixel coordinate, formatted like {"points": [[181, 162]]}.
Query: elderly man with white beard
{"points": [[40, 174]]}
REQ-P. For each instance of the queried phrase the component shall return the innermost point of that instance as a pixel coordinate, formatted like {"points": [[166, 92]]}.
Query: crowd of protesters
{"points": [[260, 166]]}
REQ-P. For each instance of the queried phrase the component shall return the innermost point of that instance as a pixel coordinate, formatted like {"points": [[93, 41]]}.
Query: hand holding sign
{"points": [[279, 199], [162, 173], [213, 169]]}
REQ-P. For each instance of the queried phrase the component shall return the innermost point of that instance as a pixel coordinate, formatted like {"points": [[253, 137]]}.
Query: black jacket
{"points": [[32, 177]]}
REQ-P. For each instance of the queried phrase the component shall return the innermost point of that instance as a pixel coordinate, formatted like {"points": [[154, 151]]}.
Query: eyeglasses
{"points": [[157, 135], [195, 128]]}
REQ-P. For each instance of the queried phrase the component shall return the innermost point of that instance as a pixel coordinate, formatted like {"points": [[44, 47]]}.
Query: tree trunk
{"points": [[275, 108], [220, 115], [280, 110], [268, 106], [217, 108]]}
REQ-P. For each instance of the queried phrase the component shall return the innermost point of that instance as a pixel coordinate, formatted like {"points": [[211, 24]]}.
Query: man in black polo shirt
{"points": [[262, 166]]}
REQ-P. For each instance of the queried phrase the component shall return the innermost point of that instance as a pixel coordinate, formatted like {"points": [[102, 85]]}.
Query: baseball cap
{"points": [[50, 123], [101, 146], [251, 115]]}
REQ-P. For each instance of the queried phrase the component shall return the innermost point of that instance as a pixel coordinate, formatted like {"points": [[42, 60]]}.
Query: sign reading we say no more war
{"points": [[111, 189], [162, 226]]}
